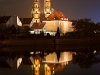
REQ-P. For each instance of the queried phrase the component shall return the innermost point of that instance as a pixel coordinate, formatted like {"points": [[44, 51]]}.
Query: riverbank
{"points": [[49, 44]]}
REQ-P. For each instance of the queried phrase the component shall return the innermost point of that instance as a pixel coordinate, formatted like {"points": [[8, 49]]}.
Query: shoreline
{"points": [[57, 44]]}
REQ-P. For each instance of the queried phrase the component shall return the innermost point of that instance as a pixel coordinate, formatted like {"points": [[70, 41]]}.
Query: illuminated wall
{"points": [[19, 62], [51, 26], [32, 22], [64, 26]]}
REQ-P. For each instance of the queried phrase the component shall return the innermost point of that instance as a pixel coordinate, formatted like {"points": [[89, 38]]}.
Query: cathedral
{"points": [[48, 20], [43, 19]]}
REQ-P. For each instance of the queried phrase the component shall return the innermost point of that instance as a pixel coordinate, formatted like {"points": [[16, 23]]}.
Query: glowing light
{"points": [[45, 12], [94, 51], [31, 32], [39, 65], [34, 65], [31, 52], [37, 52], [46, 65]]}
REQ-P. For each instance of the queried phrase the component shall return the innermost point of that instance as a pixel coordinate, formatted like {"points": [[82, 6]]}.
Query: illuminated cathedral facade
{"points": [[46, 19], [37, 10]]}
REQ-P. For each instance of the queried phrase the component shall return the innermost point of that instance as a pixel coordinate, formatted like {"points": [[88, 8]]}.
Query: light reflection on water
{"points": [[58, 62]]}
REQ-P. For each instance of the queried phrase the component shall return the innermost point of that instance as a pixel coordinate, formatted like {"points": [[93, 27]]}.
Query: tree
{"points": [[58, 32], [97, 27], [48, 35], [86, 59], [85, 26]]}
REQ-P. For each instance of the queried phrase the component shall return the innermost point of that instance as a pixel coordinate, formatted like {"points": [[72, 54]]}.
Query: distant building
{"points": [[9, 21]]}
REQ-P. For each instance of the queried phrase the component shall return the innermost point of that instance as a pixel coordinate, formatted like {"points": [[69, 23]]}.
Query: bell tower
{"points": [[36, 11], [47, 7]]}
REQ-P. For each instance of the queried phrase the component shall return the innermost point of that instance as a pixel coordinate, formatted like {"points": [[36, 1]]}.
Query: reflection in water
{"points": [[86, 59], [44, 63], [56, 65], [14, 63], [65, 56], [51, 58], [51, 62]]}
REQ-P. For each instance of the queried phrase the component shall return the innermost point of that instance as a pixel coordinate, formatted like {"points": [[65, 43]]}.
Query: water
{"points": [[66, 63]]}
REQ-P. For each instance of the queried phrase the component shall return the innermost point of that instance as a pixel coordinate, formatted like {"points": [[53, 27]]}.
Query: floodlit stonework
{"points": [[52, 19]]}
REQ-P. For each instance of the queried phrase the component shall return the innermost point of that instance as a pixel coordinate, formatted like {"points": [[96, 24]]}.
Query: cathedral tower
{"points": [[47, 7], [40, 8], [36, 11]]}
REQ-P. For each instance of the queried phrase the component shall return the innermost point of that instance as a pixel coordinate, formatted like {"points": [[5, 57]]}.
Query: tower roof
{"points": [[26, 20], [56, 15], [38, 25]]}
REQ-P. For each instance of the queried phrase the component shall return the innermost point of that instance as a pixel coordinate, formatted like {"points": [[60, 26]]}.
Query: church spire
{"points": [[36, 11], [47, 7]]}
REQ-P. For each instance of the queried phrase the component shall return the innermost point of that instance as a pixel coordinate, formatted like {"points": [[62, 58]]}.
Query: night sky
{"points": [[73, 9]]}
